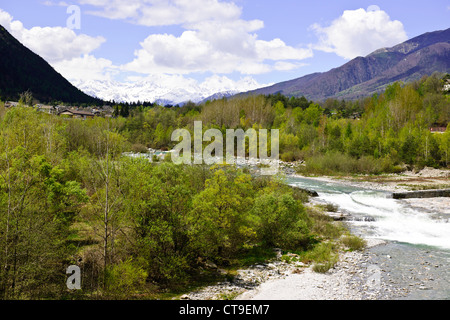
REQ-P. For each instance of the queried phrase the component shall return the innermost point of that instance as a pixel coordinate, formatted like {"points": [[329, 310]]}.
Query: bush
{"points": [[282, 221], [290, 156], [139, 148], [333, 163], [323, 255], [125, 279], [323, 267], [353, 242]]}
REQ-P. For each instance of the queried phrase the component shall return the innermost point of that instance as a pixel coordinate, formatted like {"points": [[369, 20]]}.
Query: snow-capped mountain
{"points": [[165, 89]]}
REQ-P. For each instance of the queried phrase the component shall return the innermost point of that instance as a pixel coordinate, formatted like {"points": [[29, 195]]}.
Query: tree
{"points": [[107, 201], [26, 98], [282, 221], [219, 224]]}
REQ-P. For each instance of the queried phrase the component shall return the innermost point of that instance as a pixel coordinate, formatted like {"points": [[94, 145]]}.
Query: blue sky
{"points": [[266, 41]]}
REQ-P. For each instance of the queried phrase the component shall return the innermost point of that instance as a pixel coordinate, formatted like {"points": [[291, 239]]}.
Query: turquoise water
{"points": [[391, 219], [418, 242]]}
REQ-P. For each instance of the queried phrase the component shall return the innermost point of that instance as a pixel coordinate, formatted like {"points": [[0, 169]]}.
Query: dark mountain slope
{"points": [[364, 76], [22, 70]]}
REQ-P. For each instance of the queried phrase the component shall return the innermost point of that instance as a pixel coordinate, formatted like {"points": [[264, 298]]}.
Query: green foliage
{"points": [[125, 279], [219, 223], [340, 163], [67, 195], [323, 255], [282, 221], [353, 242]]}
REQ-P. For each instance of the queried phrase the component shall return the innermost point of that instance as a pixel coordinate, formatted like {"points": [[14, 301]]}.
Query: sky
{"points": [[205, 40]]}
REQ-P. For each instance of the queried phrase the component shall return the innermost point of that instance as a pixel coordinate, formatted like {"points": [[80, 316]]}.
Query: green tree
{"points": [[282, 221], [219, 224]]}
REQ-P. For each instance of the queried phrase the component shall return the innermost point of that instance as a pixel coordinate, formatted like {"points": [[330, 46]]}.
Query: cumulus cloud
{"points": [[67, 52], [86, 67], [219, 47], [54, 44], [215, 38], [359, 32]]}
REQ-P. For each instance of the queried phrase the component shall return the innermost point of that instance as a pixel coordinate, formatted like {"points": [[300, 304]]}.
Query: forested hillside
{"points": [[22, 70], [136, 229], [139, 229], [381, 133], [363, 76]]}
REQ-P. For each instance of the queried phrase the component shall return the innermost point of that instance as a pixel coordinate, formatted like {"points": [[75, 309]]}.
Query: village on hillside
{"points": [[70, 111]]}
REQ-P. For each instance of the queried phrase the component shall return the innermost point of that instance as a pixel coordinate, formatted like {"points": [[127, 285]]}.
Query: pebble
{"points": [[351, 279]]}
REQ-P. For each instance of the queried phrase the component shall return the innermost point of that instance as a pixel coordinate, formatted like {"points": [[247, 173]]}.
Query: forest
{"points": [[149, 230], [385, 133]]}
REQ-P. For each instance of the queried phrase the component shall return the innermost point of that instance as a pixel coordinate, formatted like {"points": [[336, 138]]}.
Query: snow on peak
{"points": [[167, 89]]}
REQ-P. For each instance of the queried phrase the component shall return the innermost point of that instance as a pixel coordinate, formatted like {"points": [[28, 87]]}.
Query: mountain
{"points": [[22, 70], [364, 76], [166, 89]]}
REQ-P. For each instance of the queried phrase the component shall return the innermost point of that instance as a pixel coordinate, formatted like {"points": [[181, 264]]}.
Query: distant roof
{"points": [[41, 106], [79, 112]]}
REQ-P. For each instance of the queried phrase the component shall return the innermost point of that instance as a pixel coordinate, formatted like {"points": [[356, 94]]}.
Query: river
{"points": [[416, 256]]}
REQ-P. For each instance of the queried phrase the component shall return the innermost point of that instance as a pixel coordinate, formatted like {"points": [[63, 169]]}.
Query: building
{"points": [[438, 129], [9, 104], [45, 108], [79, 114]]}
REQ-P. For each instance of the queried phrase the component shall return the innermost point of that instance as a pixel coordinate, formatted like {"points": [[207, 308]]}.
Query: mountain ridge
{"points": [[363, 76], [22, 70], [163, 90]]}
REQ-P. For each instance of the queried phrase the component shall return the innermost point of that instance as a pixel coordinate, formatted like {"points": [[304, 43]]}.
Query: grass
{"points": [[323, 224], [417, 187], [323, 267], [254, 256], [353, 243], [336, 163]]}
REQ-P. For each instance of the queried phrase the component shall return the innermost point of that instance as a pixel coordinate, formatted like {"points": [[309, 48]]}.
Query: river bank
{"points": [[350, 279], [425, 179], [385, 270], [359, 275]]}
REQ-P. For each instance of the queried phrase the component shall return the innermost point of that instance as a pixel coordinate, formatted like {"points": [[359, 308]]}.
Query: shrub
{"points": [[139, 148], [353, 242], [125, 279], [282, 221], [339, 163], [323, 255], [323, 267]]}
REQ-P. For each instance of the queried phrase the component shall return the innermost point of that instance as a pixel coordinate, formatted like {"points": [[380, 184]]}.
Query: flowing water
{"points": [[417, 253]]}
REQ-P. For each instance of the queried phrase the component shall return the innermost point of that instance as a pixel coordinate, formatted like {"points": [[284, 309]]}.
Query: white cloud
{"points": [[86, 67], [67, 52], [164, 12], [52, 4], [58, 44], [218, 47], [54, 44], [215, 38], [359, 32]]}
